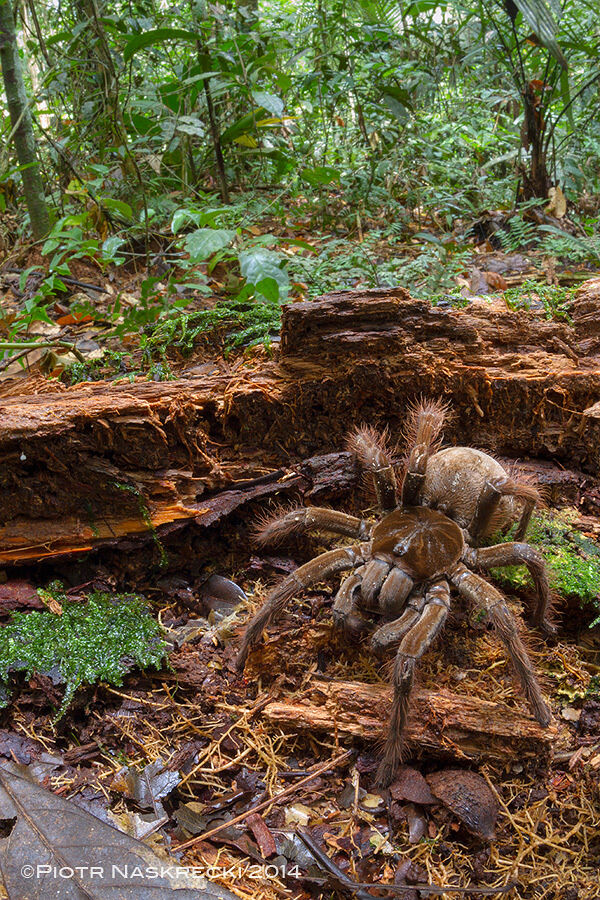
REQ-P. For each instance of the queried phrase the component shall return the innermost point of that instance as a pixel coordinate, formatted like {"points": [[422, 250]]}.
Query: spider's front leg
{"points": [[318, 569], [370, 447], [275, 529], [413, 646], [423, 431], [484, 595], [517, 554]]}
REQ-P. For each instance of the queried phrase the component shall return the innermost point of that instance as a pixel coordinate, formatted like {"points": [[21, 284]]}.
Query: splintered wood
{"points": [[442, 723], [88, 466]]}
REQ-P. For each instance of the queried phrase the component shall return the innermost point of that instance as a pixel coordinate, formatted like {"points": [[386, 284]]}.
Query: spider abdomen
{"points": [[424, 542]]}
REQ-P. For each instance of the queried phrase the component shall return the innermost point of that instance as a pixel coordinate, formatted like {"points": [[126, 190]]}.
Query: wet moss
{"points": [[573, 559], [99, 640]]}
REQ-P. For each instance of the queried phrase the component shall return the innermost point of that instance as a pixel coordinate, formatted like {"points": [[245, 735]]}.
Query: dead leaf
{"points": [[469, 797], [148, 786], [18, 594], [558, 203], [44, 835], [410, 785], [262, 835], [417, 824]]}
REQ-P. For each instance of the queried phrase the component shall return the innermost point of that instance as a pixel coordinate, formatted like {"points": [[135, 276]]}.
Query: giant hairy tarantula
{"points": [[425, 543]]}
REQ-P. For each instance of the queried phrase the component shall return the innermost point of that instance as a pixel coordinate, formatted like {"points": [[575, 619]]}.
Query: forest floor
{"points": [[187, 757]]}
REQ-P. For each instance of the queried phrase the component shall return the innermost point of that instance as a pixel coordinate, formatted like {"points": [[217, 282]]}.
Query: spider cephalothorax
{"points": [[425, 544]]}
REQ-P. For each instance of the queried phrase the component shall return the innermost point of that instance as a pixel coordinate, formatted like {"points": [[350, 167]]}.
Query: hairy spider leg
{"points": [[483, 595], [487, 503], [517, 554], [424, 427], [393, 632], [371, 450], [376, 572], [318, 569], [413, 645], [303, 519], [346, 613]]}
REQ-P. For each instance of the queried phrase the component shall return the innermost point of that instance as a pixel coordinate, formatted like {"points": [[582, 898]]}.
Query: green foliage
{"points": [[242, 322], [99, 640], [569, 247], [520, 234], [573, 560], [341, 263], [554, 299]]}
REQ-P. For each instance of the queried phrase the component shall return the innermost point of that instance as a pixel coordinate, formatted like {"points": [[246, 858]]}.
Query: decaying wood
{"points": [[442, 723], [88, 465]]}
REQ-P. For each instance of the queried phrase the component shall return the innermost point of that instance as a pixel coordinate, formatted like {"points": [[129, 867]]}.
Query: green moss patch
{"points": [[573, 560], [99, 640]]}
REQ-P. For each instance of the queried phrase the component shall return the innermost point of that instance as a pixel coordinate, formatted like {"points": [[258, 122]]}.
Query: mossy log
{"points": [[441, 723], [87, 466]]}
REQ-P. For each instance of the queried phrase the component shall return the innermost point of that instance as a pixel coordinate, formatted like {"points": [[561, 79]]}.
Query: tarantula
{"points": [[404, 566]]}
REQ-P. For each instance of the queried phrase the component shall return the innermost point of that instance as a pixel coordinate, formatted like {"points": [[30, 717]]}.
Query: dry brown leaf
{"points": [[50, 848]]}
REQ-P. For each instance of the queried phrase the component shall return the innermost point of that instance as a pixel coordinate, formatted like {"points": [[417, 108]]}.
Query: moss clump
{"points": [[573, 560], [100, 640]]}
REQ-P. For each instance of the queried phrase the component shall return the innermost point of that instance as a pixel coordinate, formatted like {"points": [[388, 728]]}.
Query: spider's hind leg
{"points": [[414, 644], [484, 595], [370, 448], [514, 553], [492, 492]]}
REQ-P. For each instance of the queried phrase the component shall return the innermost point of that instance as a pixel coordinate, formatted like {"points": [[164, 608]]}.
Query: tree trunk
{"points": [[22, 125]]}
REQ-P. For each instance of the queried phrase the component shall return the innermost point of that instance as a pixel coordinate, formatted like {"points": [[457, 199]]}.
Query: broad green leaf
{"points": [[269, 288], [243, 125], [259, 264], [156, 36], [118, 206], [538, 16], [203, 242], [247, 140], [396, 108], [271, 102], [320, 175], [191, 125], [110, 247], [181, 216], [566, 98]]}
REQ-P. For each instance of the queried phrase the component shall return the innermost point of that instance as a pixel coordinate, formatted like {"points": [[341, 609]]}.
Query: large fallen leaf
{"points": [[469, 797], [51, 848]]}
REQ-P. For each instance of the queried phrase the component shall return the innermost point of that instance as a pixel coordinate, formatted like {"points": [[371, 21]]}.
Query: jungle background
{"points": [[228, 234], [243, 156]]}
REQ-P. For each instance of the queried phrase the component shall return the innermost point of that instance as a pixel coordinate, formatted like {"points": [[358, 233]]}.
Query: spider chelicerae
{"points": [[405, 565]]}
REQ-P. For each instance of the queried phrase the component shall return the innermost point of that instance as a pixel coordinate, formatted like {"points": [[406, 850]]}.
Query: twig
{"points": [[269, 802], [28, 346], [68, 280], [358, 887]]}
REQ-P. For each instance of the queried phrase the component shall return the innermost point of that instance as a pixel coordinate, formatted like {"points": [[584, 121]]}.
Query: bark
{"points": [[89, 465], [441, 723], [20, 117]]}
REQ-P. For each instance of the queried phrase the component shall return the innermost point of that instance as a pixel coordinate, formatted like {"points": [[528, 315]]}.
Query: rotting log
{"points": [[87, 466], [441, 723]]}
